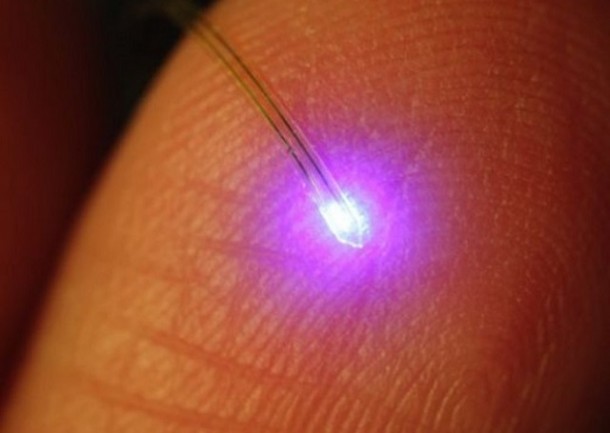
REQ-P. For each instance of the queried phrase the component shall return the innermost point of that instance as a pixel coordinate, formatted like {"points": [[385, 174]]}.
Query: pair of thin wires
{"points": [[339, 212]]}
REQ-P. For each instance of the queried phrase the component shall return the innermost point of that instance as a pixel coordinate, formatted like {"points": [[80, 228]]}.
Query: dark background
{"points": [[136, 38], [59, 124]]}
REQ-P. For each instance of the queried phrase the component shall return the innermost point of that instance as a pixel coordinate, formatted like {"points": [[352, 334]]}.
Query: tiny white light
{"points": [[345, 221]]}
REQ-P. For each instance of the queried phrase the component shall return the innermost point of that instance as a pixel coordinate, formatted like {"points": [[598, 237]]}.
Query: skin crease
{"points": [[49, 146], [180, 307]]}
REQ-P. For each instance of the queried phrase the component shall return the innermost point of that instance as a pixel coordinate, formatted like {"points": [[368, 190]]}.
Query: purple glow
{"points": [[340, 253]]}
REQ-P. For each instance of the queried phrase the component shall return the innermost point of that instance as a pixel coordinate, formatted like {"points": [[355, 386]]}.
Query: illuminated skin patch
{"points": [[347, 223]]}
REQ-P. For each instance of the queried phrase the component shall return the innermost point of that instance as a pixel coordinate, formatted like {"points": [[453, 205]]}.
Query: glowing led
{"points": [[347, 223]]}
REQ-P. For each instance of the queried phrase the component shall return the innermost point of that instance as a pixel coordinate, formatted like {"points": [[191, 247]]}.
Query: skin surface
{"points": [[50, 124], [188, 301]]}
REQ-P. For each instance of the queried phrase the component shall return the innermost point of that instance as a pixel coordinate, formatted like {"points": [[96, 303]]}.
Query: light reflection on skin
{"points": [[314, 239]]}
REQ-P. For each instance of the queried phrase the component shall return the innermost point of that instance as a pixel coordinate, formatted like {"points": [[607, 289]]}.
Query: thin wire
{"points": [[324, 188]]}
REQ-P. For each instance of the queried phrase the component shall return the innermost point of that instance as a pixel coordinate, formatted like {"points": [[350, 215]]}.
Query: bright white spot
{"points": [[345, 221]]}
